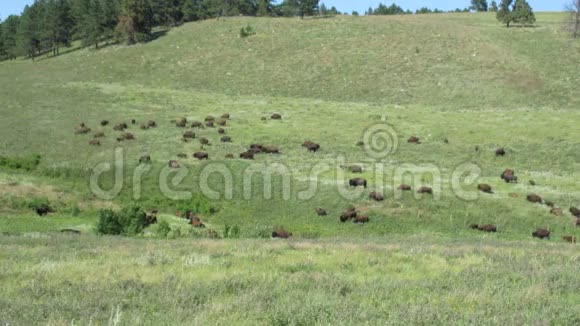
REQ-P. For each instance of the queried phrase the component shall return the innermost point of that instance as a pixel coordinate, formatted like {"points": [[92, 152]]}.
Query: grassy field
{"points": [[459, 77]]}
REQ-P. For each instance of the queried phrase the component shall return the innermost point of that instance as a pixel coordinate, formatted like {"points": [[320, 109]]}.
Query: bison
{"points": [[82, 129], [151, 124], [575, 211], [225, 116], [541, 234], [347, 215], [196, 222], [508, 176], [247, 155], [281, 233], [204, 141], [413, 140], [201, 155], [121, 126], [270, 150], [226, 139], [276, 116], [173, 164], [189, 134], [533, 198], [221, 131], [181, 123], [99, 134], [313, 147], [425, 190], [104, 122], [143, 126], [405, 187], [485, 188], [376, 196], [209, 124], [43, 209], [320, 211], [128, 136], [209, 118], [484, 227], [196, 124], [221, 122], [569, 238], [361, 219], [145, 159], [95, 142], [357, 182], [556, 211], [500, 151]]}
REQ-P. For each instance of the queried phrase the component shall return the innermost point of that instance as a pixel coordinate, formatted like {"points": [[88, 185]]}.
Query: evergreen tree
{"points": [[136, 21], [2, 47], [355, 13], [10, 33], [523, 13], [504, 14], [30, 30], [264, 8], [493, 7], [323, 10], [479, 5], [191, 10]]}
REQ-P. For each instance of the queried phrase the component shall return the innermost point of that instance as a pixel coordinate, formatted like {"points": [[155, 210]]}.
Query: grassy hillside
{"points": [[461, 78]]}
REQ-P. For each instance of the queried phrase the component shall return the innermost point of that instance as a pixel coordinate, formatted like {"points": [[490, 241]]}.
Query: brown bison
{"points": [[209, 124], [320, 211], [533, 198], [120, 139], [313, 148], [247, 155], [204, 141], [173, 164], [361, 219], [43, 210], [347, 215], [575, 211], [145, 159], [95, 142], [151, 124], [485, 188], [82, 129], [226, 139], [196, 222], [357, 182], [532, 183], [221, 122], [413, 140], [569, 238], [360, 143], [133, 121], [201, 155], [99, 135], [181, 123], [276, 116], [405, 187], [221, 131], [500, 151], [556, 211], [270, 150], [281, 233], [376, 196], [508, 176], [143, 126], [549, 203], [189, 134], [484, 227], [209, 118], [120, 127], [128, 136], [104, 122], [425, 190], [256, 148], [225, 116], [541, 234], [196, 124]]}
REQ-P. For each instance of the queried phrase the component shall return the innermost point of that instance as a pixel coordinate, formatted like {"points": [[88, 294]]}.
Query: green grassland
{"points": [[460, 77]]}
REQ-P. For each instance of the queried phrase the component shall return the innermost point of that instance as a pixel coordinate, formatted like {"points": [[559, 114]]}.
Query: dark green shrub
{"points": [[247, 31], [36, 202], [197, 205], [131, 220], [163, 229], [26, 163]]}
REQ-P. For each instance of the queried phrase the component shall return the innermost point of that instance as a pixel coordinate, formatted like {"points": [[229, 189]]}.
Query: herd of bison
{"points": [[351, 214]]}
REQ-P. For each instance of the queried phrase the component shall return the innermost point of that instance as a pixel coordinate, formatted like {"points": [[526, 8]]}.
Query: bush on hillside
{"points": [[247, 31], [26, 163], [130, 221]]}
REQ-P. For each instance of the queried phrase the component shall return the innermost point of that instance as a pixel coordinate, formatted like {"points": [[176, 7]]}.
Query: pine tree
{"points": [[10, 34], [2, 47], [523, 13], [136, 21], [479, 5], [493, 6], [504, 14], [30, 30], [191, 10], [307, 7], [264, 8]]}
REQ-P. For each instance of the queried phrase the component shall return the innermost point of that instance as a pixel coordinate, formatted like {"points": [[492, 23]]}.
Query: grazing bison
{"points": [[173, 164], [104, 122], [532, 183], [425, 190], [121, 126], [229, 156], [575, 211], [201, 155], [196, 222], [95, 142], [221, 131], [347, 215], [485, 188], [556, 211], [360, 143], [320, 211], [247, 155], [500, 152], [196, 124], [143, 126], [209, 124], [204, 141], [43, 210], [281, 233], [445, 140], [151, 124], [569, 238], [361, 219], [270, 150], [256, 148], [357, 182], [133, 121], [181, 123], [508, 176], [533, 198], [313, 148], [209, 118], [376, 196], [226, 139], [82, 129], [128, 136], [549, 203], [484, 227], [276, 116], [70, 231], [120, 139], [221, 122], [413, 140], [189, 134], [541, 234], [225, 116], [405, 187], [145, 159]]}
